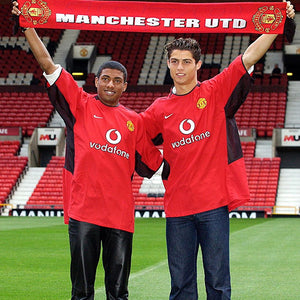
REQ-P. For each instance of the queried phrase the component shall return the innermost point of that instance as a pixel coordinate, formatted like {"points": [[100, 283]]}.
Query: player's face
{"points": [[110, 86], [183, 68]]}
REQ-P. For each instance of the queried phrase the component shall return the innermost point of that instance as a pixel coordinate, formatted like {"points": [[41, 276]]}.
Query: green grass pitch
{"points": [[265, 260]]}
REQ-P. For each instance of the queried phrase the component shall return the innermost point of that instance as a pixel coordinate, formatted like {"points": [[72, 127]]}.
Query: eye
{"points": [[118, 81]]}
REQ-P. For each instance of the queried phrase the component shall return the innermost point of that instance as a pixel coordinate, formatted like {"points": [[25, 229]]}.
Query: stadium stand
{"points": [[248, 149], [48, 192], [263, 111], [127, 48], [263, 174], [26, 110], [12, 170], [9, 148], [139, 101], [29, 108]]}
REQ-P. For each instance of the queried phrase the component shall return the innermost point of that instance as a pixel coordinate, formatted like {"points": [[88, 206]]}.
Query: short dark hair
{"points": [[112, 65], [183, 44]]}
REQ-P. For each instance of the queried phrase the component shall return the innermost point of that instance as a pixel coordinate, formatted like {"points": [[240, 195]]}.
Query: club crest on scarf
{"points": [[36, 11], [267, 19]]}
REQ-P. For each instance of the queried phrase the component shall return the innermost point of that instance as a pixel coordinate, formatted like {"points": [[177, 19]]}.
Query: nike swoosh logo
{"points": [[97, 117], [168, 116]]}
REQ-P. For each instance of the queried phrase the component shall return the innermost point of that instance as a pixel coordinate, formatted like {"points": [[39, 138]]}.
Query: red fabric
{"points": [[170, 17], [196, 145], [102, 142]]}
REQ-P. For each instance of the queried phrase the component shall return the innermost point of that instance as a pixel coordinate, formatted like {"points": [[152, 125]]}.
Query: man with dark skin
{"points": [[106, 142]]}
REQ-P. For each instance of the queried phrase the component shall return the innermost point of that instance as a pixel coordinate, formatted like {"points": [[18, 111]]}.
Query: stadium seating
{"points": [[139, 101], [263, 111], [26, 110], [12, 168], [48, 192], [127, 48], [264, 108], [9, 148], [15, 52], [248, 149], [263, 174]]}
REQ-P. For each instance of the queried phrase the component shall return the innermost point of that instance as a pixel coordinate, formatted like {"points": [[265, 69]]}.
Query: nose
{"points": [[110, 84], [180, 65]]}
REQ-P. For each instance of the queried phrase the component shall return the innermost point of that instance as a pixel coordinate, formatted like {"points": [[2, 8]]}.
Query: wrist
{"points": [[24, 29]]}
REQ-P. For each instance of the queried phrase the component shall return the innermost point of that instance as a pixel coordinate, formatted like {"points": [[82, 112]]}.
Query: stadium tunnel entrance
{"points": [[45, 143]]}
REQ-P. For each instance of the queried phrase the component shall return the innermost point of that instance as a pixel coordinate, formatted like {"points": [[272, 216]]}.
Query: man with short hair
{"points": [[205, 174], [105, 143]]}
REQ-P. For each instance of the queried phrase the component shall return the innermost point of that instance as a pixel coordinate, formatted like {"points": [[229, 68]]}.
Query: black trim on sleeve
{"points": [[141, 168], [166, 170], [158, 140], [61, 105], [237, 98]]}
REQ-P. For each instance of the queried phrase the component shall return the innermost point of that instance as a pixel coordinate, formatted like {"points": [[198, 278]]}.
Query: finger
{"points": [[291, 12], [15, 11]]}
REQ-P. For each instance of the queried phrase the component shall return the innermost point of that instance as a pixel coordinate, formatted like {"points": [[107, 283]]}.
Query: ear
{"points": [[168, 63], [199, 64], [96, 81], [125, 87]]}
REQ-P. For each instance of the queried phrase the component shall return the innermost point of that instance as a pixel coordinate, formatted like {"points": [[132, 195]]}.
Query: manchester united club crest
{"points": [[130, 126], [36, 12], [267, 19], [84, 52], [201, 103]]}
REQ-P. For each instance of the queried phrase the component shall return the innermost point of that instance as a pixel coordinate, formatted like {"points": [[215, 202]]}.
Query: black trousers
{"points": [[85, 245]]}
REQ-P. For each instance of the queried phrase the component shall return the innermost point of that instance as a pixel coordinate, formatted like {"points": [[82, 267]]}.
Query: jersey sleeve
{"points": [[148, 158], [65, 91], [232, 86], [153, 130]]}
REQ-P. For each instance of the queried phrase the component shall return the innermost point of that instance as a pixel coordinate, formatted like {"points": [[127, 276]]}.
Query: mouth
{"points": [[109, 93]]}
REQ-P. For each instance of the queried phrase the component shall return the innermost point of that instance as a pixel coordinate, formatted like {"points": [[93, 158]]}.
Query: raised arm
{"points": [[37, 47], [261, 45]]}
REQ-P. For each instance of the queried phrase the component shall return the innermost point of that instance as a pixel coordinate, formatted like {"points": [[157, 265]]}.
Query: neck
{"points": [[184, 89], [110, 104], [107, 103]]}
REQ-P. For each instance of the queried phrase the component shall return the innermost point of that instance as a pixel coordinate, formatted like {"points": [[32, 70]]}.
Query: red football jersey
{"points": [[201, 143], [102, 145]]}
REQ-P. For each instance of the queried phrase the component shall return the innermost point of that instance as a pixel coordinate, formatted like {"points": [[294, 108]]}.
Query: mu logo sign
{"points": [[47, 137]]}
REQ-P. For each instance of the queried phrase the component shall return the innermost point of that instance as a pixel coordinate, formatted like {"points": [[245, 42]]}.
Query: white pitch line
{"points": [[147, 270], [137, 274]]}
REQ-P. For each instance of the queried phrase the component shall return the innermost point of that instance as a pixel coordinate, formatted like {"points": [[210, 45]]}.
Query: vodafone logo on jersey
{"points": [[113, 137], [187, 127]]}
